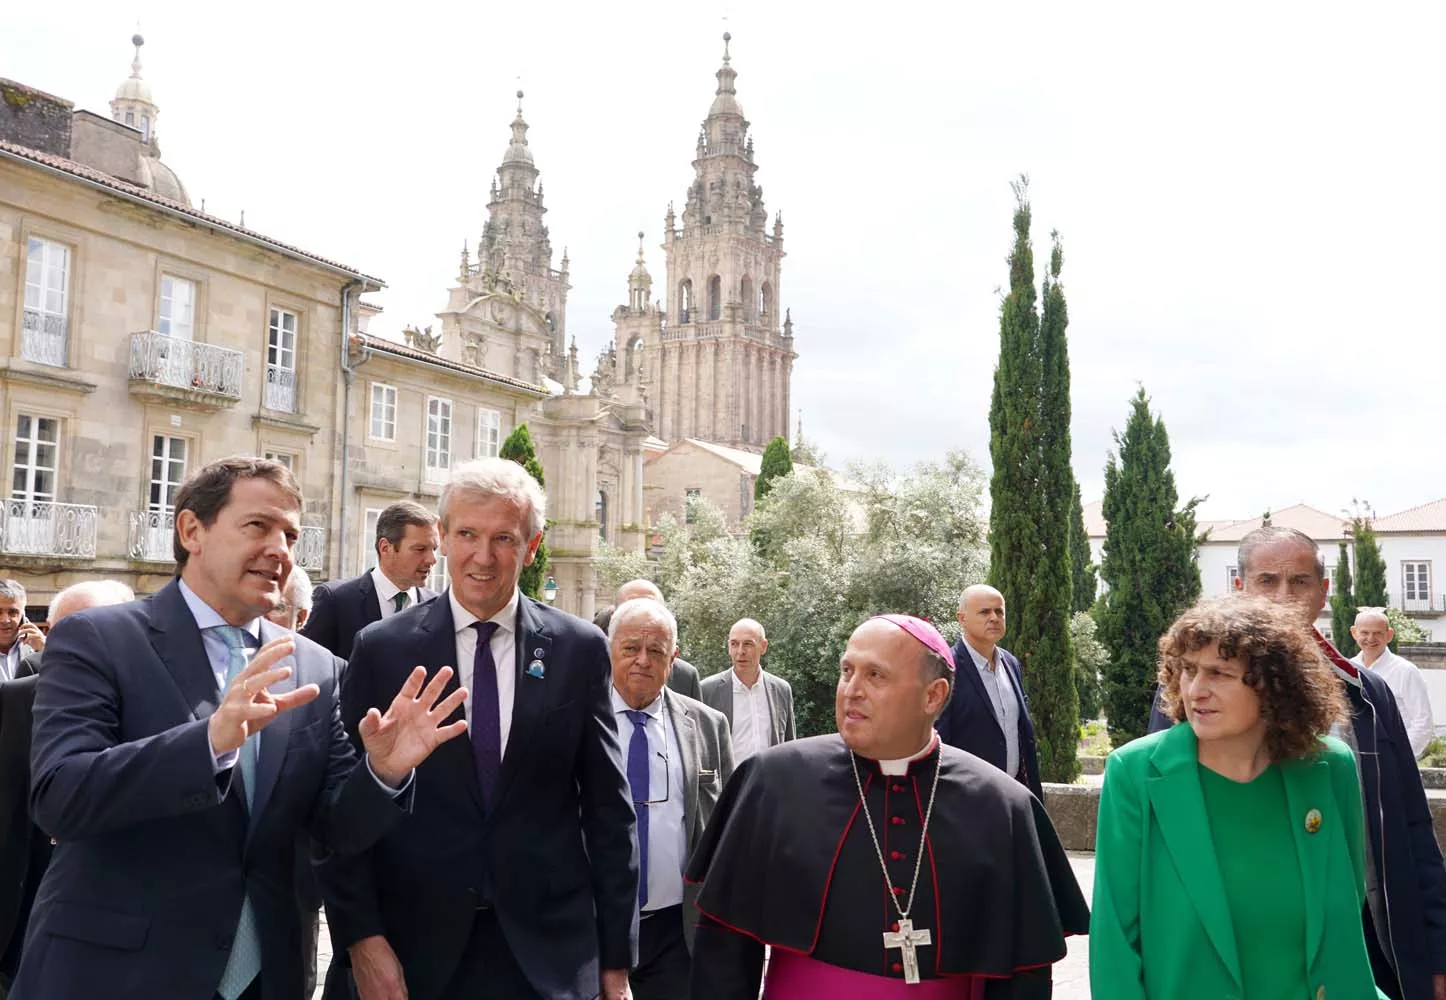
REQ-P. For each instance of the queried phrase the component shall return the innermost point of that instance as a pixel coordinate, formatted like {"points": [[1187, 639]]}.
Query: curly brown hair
{"points": [[1300, 697]]}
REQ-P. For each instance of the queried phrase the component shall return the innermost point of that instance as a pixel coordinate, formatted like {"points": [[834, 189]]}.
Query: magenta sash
{"points": [[792, 976]]}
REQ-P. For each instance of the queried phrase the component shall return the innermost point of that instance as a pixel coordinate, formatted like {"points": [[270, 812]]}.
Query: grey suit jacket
{"points": [[706, 746], [683, 678], [718, 694]]}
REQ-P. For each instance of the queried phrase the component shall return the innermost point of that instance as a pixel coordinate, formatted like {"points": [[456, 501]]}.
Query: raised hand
{"points": [[248, 707], [412, 726]]}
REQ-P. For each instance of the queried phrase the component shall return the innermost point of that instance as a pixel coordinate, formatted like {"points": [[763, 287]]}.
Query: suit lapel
{"points": [[274, 737], [529, 698], [177, 641], [686, 729], [371, 608], [964, 665], [436, 639], [1179, 805], [1308, 787]]}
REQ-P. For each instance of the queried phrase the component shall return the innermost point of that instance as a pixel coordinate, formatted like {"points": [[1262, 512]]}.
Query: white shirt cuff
{"points": [[393, 792]]}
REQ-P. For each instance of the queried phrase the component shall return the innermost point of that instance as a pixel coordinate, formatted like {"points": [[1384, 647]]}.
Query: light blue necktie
{"points": [[245, 962]]}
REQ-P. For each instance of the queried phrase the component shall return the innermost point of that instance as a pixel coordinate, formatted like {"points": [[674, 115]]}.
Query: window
{"points": [[131, 119], [745, 295], [178, 308], [489, 433], [715, 297], [37, 451], [285, 458], [439, 439], [685, 301], [145, 128], [1232, 578], [601, 512], [384, 412], [281, 361], [437, 579], [369, 537], [168, 471], [46, 320], [689, 495], [1417, 589], [765, 301]]}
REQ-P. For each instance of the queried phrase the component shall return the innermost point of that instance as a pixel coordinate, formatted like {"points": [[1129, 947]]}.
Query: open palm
{"points": [[414, 725]]}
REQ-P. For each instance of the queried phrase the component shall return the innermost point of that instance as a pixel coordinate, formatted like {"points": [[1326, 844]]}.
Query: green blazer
{"points": [[1161, 928]]}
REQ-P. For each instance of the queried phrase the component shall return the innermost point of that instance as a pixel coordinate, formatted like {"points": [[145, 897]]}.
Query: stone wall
{"points": [[33, 118], [1427, 655]]}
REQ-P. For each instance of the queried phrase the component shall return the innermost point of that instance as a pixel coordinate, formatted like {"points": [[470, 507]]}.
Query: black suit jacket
{"points": [[683, 678], [24, 851], [156, 850], [554, 855], [968, 721], [342, 608]]}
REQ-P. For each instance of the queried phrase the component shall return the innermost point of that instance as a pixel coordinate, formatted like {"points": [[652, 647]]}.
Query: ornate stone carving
{"points": [[422, 340]]}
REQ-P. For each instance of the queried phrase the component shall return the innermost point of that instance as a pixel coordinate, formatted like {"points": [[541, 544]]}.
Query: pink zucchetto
{"points": [[924, 632]]}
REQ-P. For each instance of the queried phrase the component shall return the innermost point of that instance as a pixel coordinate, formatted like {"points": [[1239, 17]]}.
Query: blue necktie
{"points": [[639, 776], [245, 962], [486, 715]]}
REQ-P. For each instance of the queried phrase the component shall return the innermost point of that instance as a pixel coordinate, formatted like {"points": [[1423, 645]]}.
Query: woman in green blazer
{"points": [[1229, 862]]}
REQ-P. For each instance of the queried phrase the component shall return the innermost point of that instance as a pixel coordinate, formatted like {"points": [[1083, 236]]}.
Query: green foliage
{"points": [[616, 567], [1405, 627], [519, 448], [1094, 740], [830, 560], [1032, 495], [1082, 570], [1149, 565], [777, 463], [1435, 755], [1090, 656], [1370, 567], [1343, 605]]}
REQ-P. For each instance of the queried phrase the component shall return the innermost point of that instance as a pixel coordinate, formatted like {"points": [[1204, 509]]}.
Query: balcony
{"points": [[48, 530], [1425, 607], [280, 389], [310, 553], [175, 371], [44, 340], [149, 538]]}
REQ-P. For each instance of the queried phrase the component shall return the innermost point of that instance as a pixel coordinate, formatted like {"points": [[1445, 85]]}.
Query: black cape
{"points": [[787, 860]]}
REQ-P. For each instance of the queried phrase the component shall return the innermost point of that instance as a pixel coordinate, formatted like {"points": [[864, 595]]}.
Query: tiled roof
{"points": [[1317, 524], [412, 354], [135, 193], [1426, 517]]}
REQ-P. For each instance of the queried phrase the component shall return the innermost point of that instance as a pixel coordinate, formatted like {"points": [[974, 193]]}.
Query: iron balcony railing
{"points": [[280, 389], [185, 364], [150, 536], [310, 551], [44, 339], [45, 528]]}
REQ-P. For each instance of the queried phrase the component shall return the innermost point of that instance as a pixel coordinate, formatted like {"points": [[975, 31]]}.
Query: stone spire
{"points": [[723, 192], [133, 104]]}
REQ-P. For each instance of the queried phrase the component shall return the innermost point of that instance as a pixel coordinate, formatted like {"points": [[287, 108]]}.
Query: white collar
{"points": [[388, 591], [654, 708], [738, 684], [893, 768], [1384, 659], [208, 617], [979, 658], [504, 619]]}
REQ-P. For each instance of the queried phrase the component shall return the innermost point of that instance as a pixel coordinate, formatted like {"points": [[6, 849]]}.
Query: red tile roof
{"points": [[412, 354]]}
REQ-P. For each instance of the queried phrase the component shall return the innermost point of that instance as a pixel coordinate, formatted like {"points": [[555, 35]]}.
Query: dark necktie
{"points": [[400, 600], [639, 772], [486, 715]]}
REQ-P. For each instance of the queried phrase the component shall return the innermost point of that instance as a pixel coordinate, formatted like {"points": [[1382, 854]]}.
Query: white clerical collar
{"points": [[505, 619], [894, 768], [387, 591]]}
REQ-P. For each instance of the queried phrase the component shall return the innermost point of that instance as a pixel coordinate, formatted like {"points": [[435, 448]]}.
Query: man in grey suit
{"points": [[758, 705], [678, 754], [683, 678]]}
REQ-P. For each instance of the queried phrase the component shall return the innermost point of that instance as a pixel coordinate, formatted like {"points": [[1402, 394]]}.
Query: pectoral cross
{"points": [[906, 939]]}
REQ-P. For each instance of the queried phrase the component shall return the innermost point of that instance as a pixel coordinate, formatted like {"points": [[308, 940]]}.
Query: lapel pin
{"points": [[536, 669], [1312, 821], [537, 652]]}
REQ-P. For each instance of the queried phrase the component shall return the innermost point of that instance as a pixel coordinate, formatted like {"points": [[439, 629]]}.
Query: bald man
{"points": [[1373, 633], [24, 849], [759, 705], [683, 678], [989, 715]]}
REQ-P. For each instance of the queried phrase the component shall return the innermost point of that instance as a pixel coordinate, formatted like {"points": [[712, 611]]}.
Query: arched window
{"points": [[131, 119], [715, 297], [746, 297], [685, 301], [601, 510], [765, 301], [145, 128], [639, 300], [633, 357]]}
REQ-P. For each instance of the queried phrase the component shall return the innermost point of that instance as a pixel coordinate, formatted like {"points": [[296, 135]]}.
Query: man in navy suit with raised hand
{"points": [[516, 874], [181, 743]]}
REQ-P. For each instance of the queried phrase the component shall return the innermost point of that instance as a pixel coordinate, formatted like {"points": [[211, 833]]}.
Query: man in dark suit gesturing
{"points": [[180, 745], [515, 876], [406, 546], [988, 715]]}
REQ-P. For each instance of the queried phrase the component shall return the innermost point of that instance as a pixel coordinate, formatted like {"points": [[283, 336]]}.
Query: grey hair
{"points": [[643, 607], [12, 590], [1269, 534], [497, 477], [297, 591], [98, 594]]}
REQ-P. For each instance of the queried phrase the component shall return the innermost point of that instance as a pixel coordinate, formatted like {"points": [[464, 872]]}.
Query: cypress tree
{"points": [[1032, 493], [1370, 567], [1343, 605], [777, 462], [1081, 569], [519, 448], [1149, 565]]}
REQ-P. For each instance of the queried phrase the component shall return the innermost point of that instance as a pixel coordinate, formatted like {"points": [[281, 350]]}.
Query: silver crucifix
{"points": [[906, 939]]}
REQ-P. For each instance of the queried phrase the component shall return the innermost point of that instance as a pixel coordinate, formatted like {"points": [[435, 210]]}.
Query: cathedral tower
{"points": [[720, 369]]}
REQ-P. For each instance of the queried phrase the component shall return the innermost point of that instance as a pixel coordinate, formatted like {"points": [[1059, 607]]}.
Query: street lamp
{"points": [[549, 590]]}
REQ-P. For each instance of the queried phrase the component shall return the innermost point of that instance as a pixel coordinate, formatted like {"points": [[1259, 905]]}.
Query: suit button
{"points": [[897, 821], [898, 890], [896, 855], [896, 787], [897, 967]]}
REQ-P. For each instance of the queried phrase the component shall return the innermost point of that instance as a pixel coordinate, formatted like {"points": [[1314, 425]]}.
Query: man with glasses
{"points": [[678, 754]]}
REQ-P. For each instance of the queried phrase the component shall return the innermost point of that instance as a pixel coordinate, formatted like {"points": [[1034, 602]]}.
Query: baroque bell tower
{"points": [[721, 366]]}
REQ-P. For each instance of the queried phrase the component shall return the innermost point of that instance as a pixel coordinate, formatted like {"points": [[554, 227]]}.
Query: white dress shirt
{"points": [[10, 660], [667, 840], [1003, 700], [387, 592], [504, 656], [752, 720], [1405, 681]]}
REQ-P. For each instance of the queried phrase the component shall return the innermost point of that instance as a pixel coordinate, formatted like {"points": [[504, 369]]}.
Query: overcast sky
{"points": [[1251, 199]]}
